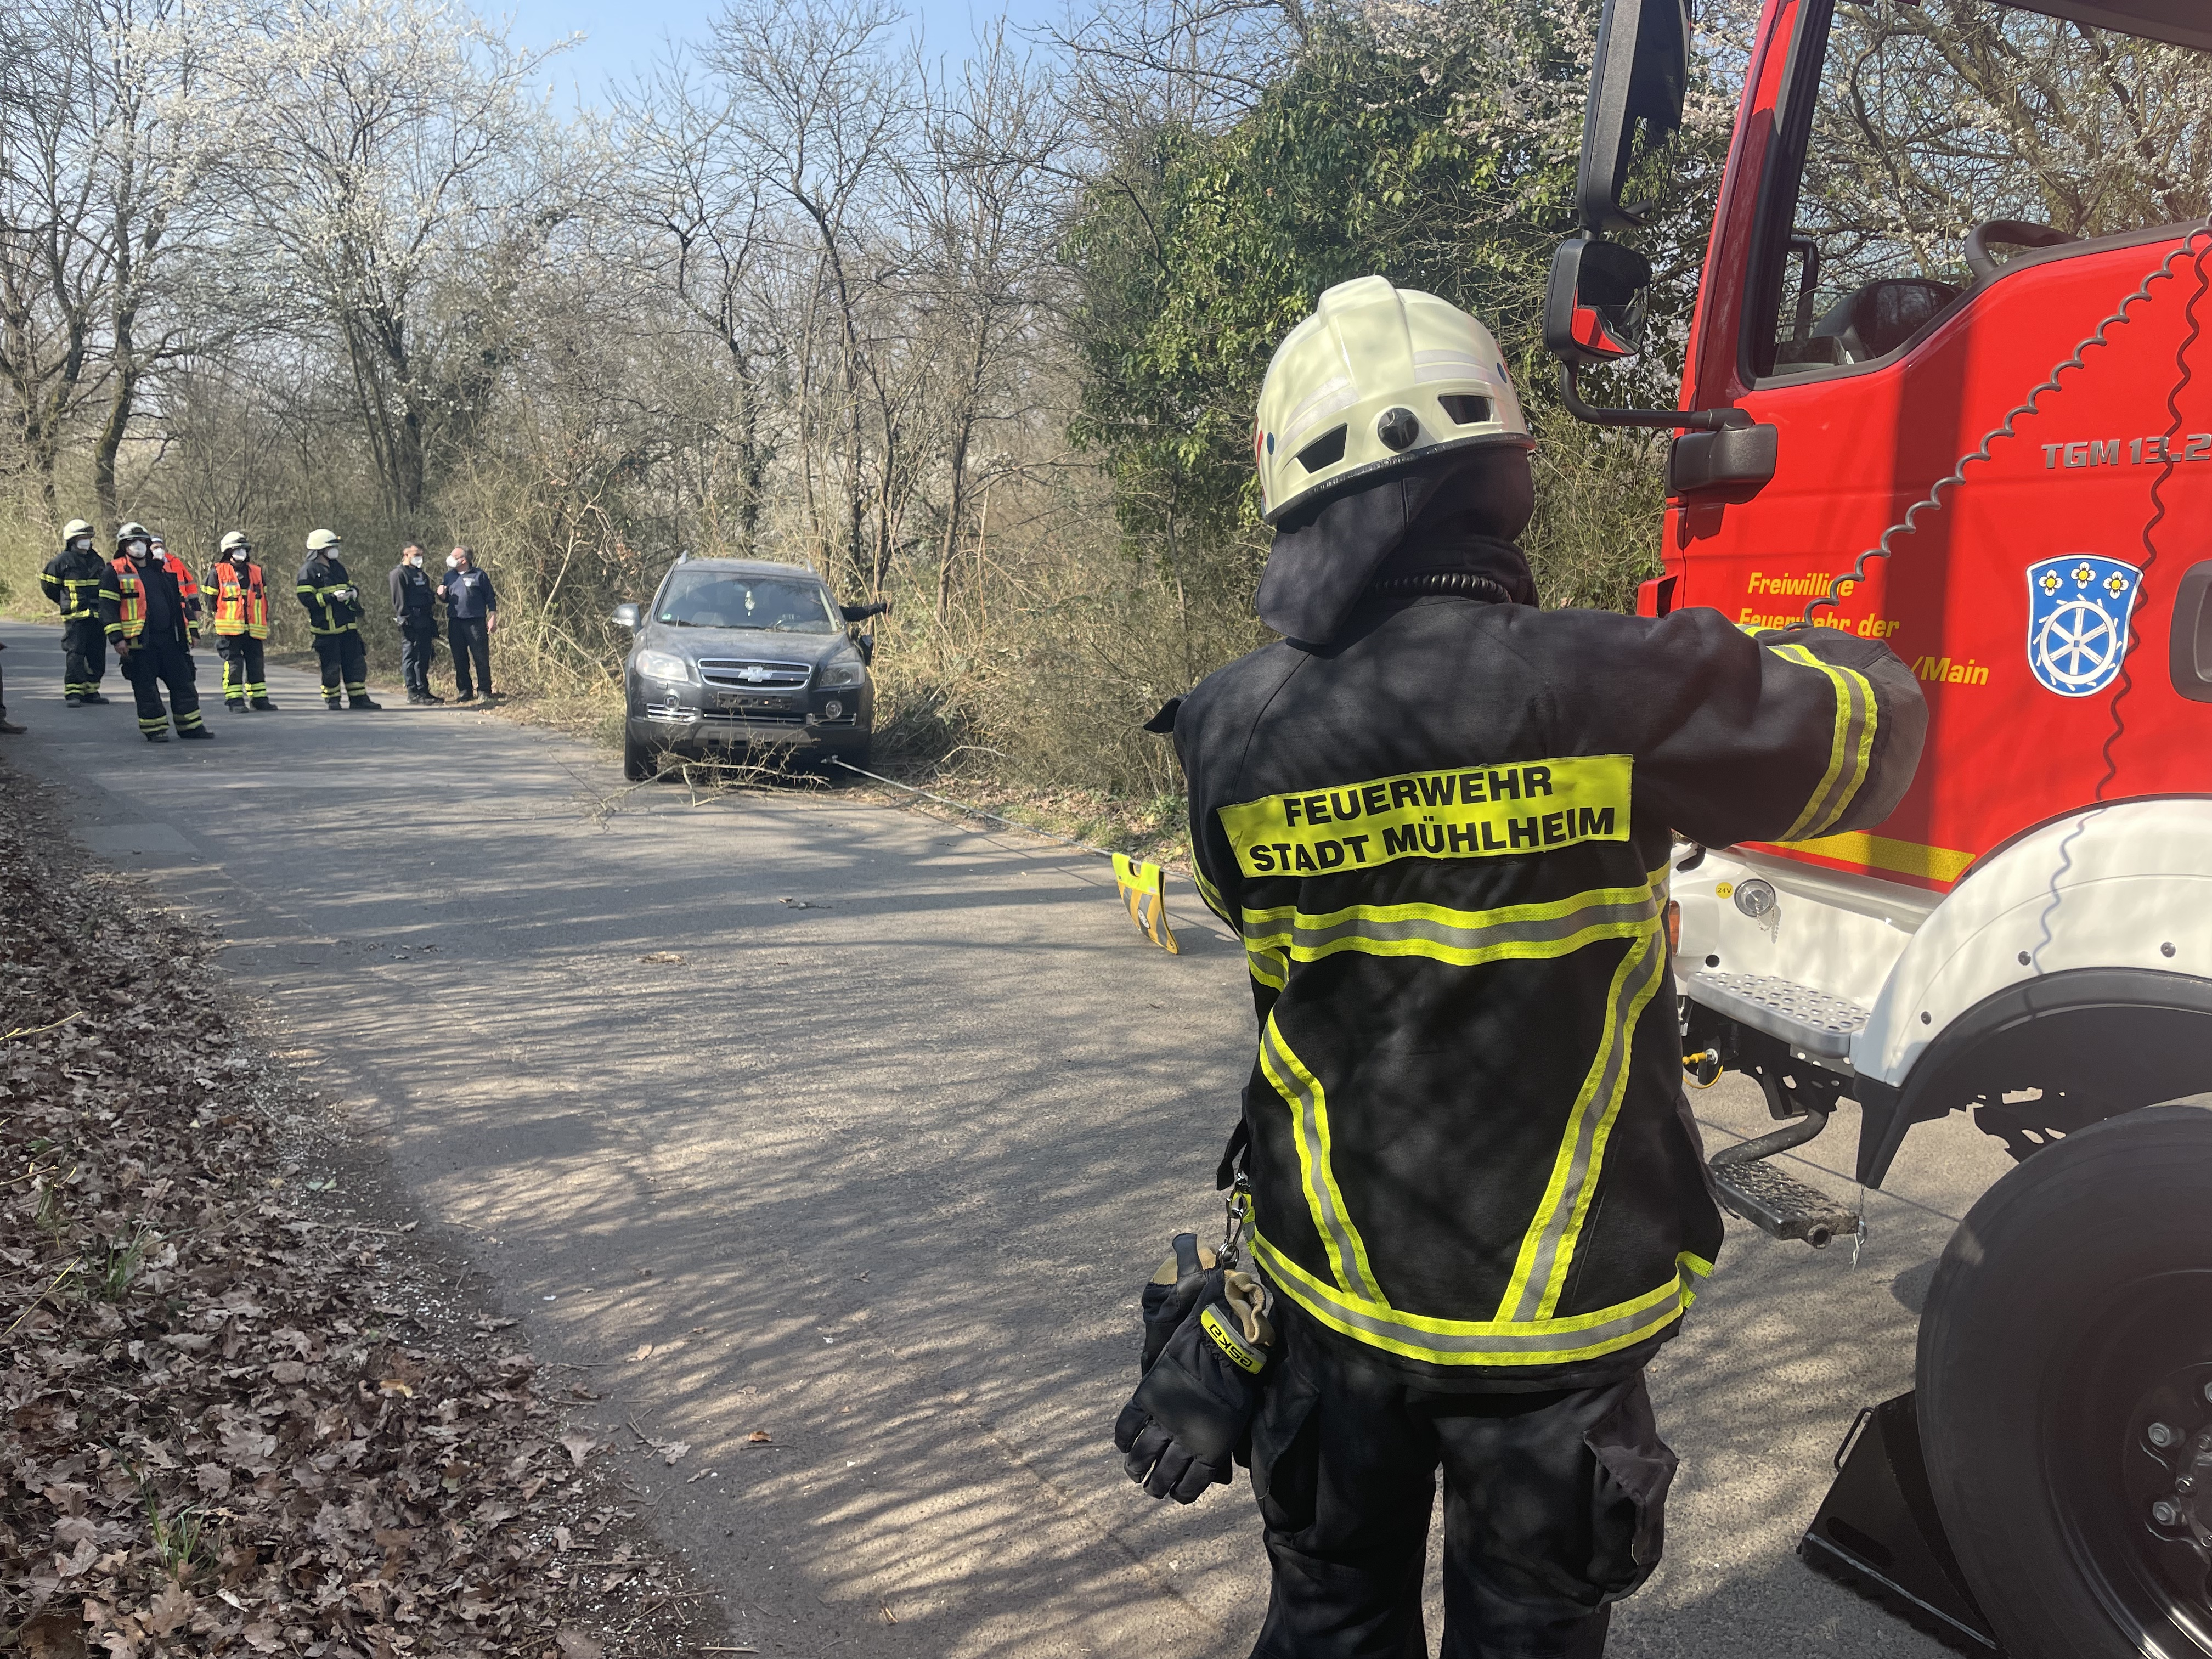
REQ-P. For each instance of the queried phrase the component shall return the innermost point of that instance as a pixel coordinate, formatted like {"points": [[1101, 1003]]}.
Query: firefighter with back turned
{"points": [[334, 612], [1441, 818]]}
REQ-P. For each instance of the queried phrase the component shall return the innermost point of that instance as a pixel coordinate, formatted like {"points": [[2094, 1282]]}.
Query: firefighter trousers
{"points": [[1554, 1510], [84, 656], [243, 677], [344, 662], [153, 663]]}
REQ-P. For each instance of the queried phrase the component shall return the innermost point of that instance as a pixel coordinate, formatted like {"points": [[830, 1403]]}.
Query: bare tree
{"points": [[99, 171], [407, 175], [695, 197], [990, 204], [814, 93]]}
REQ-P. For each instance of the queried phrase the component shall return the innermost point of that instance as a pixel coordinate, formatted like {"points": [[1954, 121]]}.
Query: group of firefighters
{"points": [[145, 602]]}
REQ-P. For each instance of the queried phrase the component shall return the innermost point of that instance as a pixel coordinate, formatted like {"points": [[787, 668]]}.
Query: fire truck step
{"points": [[1812, 1021], [1780, 1204]]}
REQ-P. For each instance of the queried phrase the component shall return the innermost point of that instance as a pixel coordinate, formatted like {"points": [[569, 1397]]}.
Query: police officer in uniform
{"points": [[334, 612], [415, 613], [143, 610], [241, 623], [1440, 819], [72, 579]]}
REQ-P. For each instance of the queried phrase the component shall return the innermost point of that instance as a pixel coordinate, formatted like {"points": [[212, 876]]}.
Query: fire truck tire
{"points": [[2067, 1338]]}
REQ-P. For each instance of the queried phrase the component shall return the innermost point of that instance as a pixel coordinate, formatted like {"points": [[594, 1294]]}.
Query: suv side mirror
{"points": [[629, 617], [1593, 311], [1641, 72], [866, 644]]}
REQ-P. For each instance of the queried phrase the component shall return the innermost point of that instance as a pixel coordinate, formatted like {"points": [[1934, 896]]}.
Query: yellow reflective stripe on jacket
{"points": [[318, 607], [1271, 968], [1549, 1341], [1548, 1248], [1851, 752], [127, 588], [1309, 1104], [1554, 928], [1511, 809]]}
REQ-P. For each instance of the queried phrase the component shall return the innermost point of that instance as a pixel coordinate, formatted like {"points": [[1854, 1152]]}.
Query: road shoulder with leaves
{"points": [[246, 1405]]}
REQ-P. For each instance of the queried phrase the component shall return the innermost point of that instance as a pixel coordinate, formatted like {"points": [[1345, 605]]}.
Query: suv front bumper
{"points": [[689, 717]]}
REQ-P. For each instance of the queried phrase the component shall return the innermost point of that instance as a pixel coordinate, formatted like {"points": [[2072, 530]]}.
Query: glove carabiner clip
{"points": [[1238, 1206]]}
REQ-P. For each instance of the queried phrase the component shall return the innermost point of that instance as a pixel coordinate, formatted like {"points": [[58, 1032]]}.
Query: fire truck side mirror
{"points": [[1594, 310], [1641, 72]]}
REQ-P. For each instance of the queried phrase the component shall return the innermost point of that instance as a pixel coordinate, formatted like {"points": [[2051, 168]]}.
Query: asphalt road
{"points": [[878, 1167]]}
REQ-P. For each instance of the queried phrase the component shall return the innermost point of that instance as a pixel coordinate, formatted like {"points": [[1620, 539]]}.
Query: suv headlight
{"points": [[662, 666], [847, 672]]}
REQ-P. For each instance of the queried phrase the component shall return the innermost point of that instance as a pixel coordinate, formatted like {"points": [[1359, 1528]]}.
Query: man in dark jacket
{"points": [[471, 618], [1440, 818], [415, 613], [334, 611], [147, 617], [72, 579]]}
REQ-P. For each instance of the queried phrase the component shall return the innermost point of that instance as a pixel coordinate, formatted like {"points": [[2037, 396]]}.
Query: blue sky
{"points": [[619, 37]]}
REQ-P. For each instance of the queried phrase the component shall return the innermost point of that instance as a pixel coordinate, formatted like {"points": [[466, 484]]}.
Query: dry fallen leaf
{"points": [[171, 1608], [757, 1438], [575, 1644], [393, 1385], [663, 958], [579, 1446]]}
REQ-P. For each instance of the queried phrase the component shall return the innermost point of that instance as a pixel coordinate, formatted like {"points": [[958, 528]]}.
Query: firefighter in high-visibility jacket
{"points": [[144, 609], [187, 585], [72, 579], [334, 612], [240, 622], [1440, 818]]}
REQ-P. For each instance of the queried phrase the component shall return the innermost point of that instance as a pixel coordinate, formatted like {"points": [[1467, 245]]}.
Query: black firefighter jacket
{"points": [[140, 600], [332, 602], [72, 579], [1445, 840]]}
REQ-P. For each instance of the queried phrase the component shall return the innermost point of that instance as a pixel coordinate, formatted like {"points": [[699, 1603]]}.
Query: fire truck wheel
{"points": [[2065, 1380]]}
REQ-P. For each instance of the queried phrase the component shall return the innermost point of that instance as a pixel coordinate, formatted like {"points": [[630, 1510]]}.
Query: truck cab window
{"points": [[1945, 138]]}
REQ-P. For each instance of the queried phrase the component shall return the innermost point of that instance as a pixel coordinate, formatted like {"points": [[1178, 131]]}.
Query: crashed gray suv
{"points": [[740, 653]]}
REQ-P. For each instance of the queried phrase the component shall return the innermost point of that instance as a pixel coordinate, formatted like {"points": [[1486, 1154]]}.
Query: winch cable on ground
{"points": [[1210, 924]]}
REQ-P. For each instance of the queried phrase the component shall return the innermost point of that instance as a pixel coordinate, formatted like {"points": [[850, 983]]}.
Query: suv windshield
{"points": [[1931, 119], [721, 598]]}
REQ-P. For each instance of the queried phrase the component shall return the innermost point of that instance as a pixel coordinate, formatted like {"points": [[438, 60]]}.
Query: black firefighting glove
{"points": [[1172, 1293], [1180, 1432]]}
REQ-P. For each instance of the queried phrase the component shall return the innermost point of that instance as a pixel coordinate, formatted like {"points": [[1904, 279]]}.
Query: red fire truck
{"points": [[1948, 386]]}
